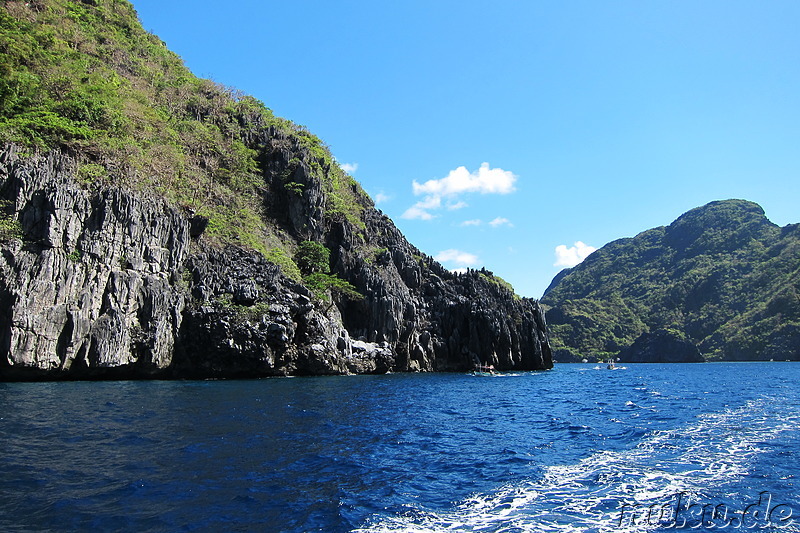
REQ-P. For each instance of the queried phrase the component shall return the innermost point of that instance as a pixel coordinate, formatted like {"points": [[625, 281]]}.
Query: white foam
{"points": [[589, 495]]}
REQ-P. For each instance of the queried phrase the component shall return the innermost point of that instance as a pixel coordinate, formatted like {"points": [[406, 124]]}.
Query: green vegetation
{"points": [[722, 275], [587, 327], [278, 256], [242, 313], [376, 255], [343, 193], [314, 262], [75, 256], [295, 188], [10, 228], [89, 173], [499, 282], [321, 284], [249, 313], [312, 257], [85, 77]]}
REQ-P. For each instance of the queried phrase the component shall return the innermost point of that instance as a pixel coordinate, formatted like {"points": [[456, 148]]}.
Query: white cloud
{"points": [[485, 180], [501, 221], [381, 198], [569, 257], [457, 205], [456, 256], [473, 222], [416, 213], [430, 202], [462, 270], [349, 167], [419, 211]]}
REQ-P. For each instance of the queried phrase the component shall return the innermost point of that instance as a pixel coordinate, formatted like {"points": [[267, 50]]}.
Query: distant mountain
{"points": [[721, 277]]}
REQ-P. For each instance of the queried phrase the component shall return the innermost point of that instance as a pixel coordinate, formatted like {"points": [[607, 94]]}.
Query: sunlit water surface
{"points": [[579, 448]]}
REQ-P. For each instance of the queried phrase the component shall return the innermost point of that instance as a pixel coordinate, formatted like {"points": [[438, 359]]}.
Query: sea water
{"points": [[578, 448]]}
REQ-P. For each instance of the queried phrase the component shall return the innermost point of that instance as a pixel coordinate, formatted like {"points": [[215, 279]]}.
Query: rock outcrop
{"points": [[661, 346], [94, 288], [113, 283]]}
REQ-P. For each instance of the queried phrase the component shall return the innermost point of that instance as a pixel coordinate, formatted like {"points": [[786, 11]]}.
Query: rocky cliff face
{"points": [[94, 285], [111, 283]]}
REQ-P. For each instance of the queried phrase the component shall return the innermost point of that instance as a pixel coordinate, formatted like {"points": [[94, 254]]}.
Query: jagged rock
{"points": [[197, 225], [245, 293], [92, 287], [661, 346], [108, 284]]}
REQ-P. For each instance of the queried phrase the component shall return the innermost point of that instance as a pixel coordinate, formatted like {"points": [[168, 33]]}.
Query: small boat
{"points": [[484, 370], [610, 365]]}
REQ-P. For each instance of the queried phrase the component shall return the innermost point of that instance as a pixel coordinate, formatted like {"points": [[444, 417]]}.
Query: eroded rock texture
{"points": [[112, 283]]}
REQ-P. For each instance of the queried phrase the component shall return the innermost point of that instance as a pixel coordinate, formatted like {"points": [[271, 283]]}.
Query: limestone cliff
{"points": [[152, 224], [106, 282]]}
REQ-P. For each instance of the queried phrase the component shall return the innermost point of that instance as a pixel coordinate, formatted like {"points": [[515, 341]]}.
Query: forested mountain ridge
{"points": [[722, 277], [155, 224]]}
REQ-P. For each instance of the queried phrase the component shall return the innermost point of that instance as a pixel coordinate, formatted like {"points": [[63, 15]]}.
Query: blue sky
{"points": [[496, 134]]}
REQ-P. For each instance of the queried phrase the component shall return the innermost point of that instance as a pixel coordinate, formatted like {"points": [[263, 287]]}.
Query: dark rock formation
{"points": [[95, 286], [110, 283], [661, 346]]}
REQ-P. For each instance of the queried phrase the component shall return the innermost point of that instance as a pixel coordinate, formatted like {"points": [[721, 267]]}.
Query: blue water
{"points": [[578, 448]]}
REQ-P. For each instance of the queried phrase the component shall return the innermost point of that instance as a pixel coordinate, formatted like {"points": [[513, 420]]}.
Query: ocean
{"points": [[582, 448]]}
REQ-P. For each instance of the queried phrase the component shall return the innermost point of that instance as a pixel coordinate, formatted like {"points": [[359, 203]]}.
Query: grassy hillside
{"points": [[722, 275], [83, 76]]}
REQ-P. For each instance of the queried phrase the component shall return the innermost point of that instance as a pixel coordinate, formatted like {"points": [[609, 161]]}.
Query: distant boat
{"points": [[611, 365], [484, 370]]}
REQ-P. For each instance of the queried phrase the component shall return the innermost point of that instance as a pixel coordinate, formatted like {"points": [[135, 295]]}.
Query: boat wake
{"points": [[664, 482]]}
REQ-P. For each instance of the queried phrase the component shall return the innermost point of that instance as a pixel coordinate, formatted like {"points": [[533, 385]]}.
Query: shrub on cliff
{"points": [[314, 261], [312, 257]]}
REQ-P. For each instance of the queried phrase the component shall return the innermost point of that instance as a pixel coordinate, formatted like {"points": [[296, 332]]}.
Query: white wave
{"points": [[594, 494]]}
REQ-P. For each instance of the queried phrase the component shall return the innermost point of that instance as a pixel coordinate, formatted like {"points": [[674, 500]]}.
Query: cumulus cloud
{"points": [[473, 222], [569, 257], [501, 221], [464, 259], [381, 198], [421, 210], [430, 202], [485, 180], [349, 167], [416, 213]]}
